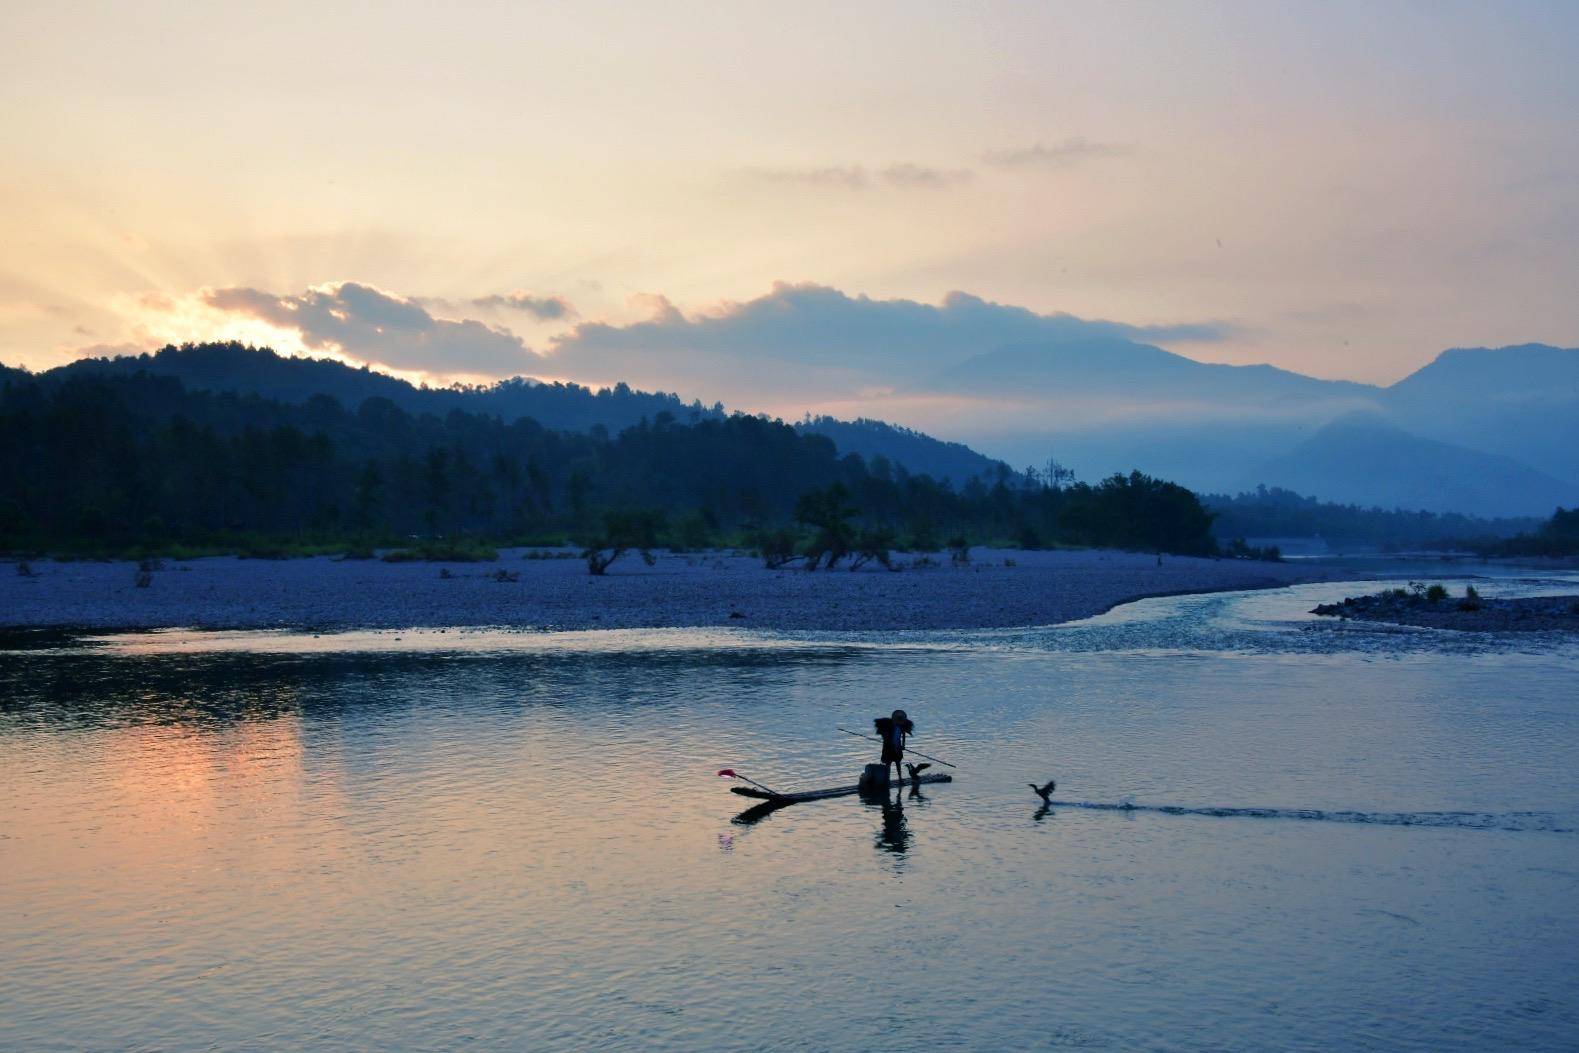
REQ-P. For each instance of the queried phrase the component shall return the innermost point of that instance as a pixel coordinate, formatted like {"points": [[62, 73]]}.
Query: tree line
{"points": [[1275, 512], [1557, 538], [102, 463]]}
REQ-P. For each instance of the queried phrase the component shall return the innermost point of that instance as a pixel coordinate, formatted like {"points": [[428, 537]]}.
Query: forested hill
{"points": [[101, 462], [260, 371], [872, 439], [561, 406]]}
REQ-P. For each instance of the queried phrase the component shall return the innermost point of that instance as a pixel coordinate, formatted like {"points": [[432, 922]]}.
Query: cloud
{"points": [[369, 324], [833, 177], [1061, 154], [544, 308], [900, 175], [909, 175], [813, 341]]}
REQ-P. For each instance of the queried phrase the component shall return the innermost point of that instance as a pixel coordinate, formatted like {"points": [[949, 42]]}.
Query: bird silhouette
{"points": [[1046, 792], [916, 770]]}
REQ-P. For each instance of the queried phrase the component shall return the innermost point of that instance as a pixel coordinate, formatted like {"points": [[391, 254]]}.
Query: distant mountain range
{"points": [[564, 407], [1493, 432], [1135, 372], [1480, 431], [1378, 463]]}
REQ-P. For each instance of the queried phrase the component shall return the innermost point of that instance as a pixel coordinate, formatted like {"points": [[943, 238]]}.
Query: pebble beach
{"points": [[997, 589]]}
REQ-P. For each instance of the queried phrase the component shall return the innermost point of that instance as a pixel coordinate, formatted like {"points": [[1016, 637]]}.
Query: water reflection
{"points": [[758, 812], [894, 835], [217, 689]]}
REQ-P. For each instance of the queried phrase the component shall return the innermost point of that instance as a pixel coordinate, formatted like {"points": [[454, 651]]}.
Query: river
{"points": [[1369, 838]]}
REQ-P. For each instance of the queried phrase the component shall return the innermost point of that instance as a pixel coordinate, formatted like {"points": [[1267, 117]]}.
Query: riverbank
{"points": [[1465, 614], [997, 589]]}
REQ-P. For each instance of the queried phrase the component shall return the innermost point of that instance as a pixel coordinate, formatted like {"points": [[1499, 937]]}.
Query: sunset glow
{"points": [[1350, 189]]}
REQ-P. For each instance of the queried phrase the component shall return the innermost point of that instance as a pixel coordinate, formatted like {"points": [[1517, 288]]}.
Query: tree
{"points": [[828, 514], [622, 531], [1057, 476], [369, 486], [436, 488]]}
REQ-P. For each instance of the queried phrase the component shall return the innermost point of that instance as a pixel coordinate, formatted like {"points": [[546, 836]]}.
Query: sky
{"points": [[786, 206]]}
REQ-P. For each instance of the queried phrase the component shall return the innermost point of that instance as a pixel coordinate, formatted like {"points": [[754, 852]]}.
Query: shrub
{"points": [[264, 550], [622, 531], [443, 552], [691, 533], [1239, 548], [922, 538], [778, 549], [1435, 594], [873, 544]]}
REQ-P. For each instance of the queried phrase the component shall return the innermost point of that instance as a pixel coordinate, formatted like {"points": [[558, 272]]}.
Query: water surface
{"points": [[516, 841]]}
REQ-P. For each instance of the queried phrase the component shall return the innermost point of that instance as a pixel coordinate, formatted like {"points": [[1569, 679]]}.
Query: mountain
{"points": [[1478, 430], [560, 406], [1522, 402], [1137, 372], [1370, 461]]}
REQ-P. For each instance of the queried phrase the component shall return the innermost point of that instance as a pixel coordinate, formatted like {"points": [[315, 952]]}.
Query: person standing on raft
{"points": [[894, 729]]}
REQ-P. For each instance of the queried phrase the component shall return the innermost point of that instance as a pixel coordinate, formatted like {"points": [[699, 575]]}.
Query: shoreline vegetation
{"points": [[1433, 607], [550, 589]]}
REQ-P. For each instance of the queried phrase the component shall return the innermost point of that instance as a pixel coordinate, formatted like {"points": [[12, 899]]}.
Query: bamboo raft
{"points": [[837, 791]]}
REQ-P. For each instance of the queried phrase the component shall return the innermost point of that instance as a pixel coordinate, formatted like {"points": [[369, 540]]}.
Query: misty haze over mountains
{"points": [[1477, 430], [1489, 432]]}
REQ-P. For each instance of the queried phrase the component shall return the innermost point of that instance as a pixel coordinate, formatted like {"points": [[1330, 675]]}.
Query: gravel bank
{"points": [[998, 589], [1522, 614]]}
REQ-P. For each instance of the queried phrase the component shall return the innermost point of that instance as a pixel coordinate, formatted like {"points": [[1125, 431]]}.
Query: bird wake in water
{"points": [[1541, 822]]}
